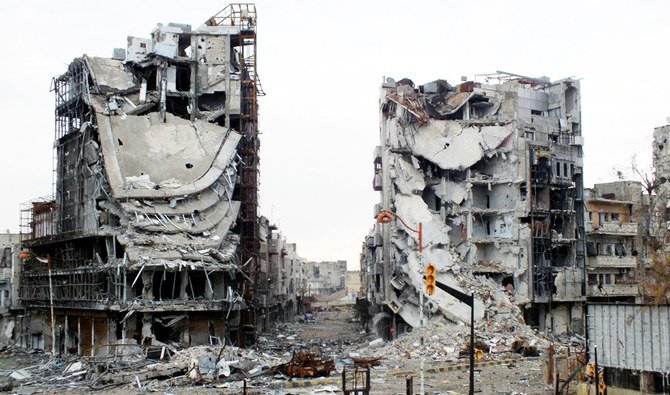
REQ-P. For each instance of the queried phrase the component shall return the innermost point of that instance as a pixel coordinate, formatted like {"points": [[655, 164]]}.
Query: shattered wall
{"points": [[154, 216], [493, 173]]}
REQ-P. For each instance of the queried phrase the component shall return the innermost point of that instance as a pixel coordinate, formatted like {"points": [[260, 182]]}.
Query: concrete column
{"points": [[183, 285], [66, 341], [92, 336], [186, 334], [80, 348], [147, 322], [111, 335], [147, 285]]}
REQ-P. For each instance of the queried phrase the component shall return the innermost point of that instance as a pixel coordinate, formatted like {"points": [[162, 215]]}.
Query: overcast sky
{"points": [[321, 64]]}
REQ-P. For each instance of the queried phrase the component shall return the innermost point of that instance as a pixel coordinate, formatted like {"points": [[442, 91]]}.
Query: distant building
{"points": [[281, 286], [323, 278]]}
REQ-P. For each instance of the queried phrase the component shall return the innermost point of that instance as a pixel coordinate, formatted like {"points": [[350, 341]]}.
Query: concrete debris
{"points": [[20, 375], [286, 352]]}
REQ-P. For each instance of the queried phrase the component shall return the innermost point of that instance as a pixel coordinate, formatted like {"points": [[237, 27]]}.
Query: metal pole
{"points": [[472, 345], [595, 355], [51, 306], [421, 292]]}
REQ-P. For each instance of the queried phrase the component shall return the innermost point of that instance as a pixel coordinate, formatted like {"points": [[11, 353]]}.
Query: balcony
{"points": [[611, 290], [615, 228], [609, 261], [377, 182]]}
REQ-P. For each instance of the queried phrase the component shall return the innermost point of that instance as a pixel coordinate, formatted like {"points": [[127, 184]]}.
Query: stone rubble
{"points": [[502, 336]]}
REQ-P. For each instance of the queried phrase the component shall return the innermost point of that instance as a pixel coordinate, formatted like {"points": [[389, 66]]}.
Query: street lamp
{"points": [[385, 217], [24, 256]]}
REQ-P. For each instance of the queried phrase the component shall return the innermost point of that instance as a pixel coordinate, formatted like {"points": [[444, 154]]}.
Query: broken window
{"points": [[591, 249], [620, 250]]}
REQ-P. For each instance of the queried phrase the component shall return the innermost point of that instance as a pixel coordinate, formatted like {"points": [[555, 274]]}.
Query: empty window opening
{"points": [[178, 106], [432, 201], [167, 286], [183, 82], [197, 284], [151, 80]]}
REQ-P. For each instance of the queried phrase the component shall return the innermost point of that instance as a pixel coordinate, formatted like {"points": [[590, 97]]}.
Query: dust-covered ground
{"points": [[333, 334]]}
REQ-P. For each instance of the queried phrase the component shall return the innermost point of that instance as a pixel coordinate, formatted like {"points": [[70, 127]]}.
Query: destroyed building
{"points": [[281, 285], [325, 277], [492, 171], [613, 241], [152, 234]]}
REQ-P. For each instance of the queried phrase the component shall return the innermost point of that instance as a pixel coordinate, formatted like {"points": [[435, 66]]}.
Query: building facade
{"points": [[282, 284], [614, 243], [152, 234], [493, 172]]}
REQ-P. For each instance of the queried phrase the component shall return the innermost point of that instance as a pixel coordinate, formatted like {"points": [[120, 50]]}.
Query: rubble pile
{"points": [[292, 351]]}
